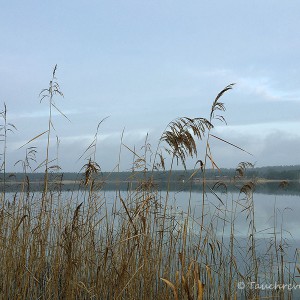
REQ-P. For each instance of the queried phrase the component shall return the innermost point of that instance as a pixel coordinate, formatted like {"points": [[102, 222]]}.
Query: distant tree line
{"points": [[271, 172]]}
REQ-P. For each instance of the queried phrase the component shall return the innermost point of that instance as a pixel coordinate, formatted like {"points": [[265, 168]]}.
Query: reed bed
{"points": [[82, 245]]}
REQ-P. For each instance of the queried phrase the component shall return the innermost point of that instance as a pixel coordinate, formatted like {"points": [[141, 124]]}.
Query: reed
{"points": [[83, 245]]}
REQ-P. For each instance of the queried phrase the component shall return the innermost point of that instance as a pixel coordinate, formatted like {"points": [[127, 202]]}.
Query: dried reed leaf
{"points": [[193, 174], [19, 224], [208, 270], [186, 287], [130, 281], [200, 290], [214, 165], [230, 144], [36, 137], [60, 112], [141, 158], [162, 161], [214, 193], [172, 286]]}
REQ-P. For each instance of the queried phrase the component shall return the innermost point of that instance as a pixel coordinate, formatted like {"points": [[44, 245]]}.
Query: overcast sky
{"points": [[144, 63]]}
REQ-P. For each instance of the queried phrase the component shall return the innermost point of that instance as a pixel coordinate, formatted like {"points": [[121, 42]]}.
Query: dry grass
{"points": [[78, 245]]}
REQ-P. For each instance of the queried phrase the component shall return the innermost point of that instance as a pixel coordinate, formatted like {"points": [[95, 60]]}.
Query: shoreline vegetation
{"points": [[212, 181], [268, 173], [281, 180], [261, 175], [258, 181], [138, 244]]}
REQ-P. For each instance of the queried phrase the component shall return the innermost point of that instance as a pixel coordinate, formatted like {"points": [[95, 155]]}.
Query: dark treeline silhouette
{"points": [[270, 180], [269, 173]]}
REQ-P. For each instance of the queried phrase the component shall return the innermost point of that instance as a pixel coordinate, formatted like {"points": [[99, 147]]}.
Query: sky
{"points": [[144, 63]]}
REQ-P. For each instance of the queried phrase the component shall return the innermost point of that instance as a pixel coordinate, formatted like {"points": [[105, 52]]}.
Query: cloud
{"points": [[261, 129], [270, 144], [41, 114], [281, 148], [264, 88], [131, 135]]}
